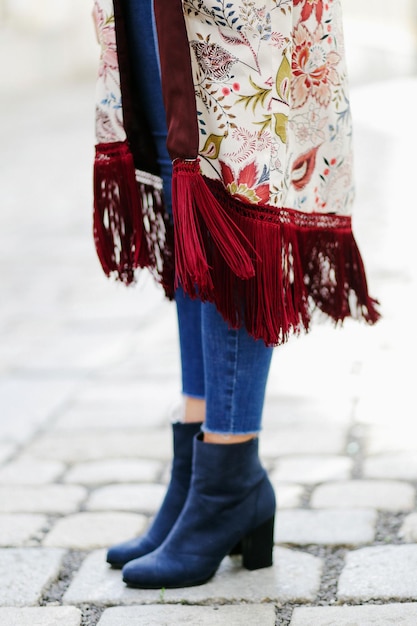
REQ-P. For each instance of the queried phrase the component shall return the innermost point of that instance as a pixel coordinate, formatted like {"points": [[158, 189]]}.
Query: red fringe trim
{"points": [[302, 261], [197, 212], [130, 229]]}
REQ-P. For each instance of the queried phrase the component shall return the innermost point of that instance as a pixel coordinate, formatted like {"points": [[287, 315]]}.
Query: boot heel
{"points": [[257, 546], [237, 549]]}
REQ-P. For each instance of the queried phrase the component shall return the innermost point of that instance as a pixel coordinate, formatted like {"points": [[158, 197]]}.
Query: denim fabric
{"points": [[141, 27], [236, 370], [191, 347], [226, 367]]}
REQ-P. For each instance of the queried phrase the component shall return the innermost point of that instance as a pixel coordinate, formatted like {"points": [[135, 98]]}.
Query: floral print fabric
{"points": [[272, 100], [109, 119]]}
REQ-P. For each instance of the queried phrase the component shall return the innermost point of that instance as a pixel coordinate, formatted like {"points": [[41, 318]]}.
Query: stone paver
{"points": [[250, 615], [30, 472], [327, 527], [312, 469], [303, 410], [27, 402], [41, 499], [88, 531], [287, 440], [408, 530], [379, 573], [145, 498], [41, 616], [288, 496], [25, 573], [401, 466], [6, 451], [382, 495], [295, 577], [16, 530], [382, 439], [387, 615], [83, 415], [76, 447], [113, 471]]}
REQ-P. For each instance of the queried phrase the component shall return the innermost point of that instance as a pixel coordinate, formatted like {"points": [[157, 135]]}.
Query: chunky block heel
{"points": [[258, 545], [236, 550]]}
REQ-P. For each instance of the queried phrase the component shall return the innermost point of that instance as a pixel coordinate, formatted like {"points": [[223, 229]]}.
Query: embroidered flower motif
{"points": [[314, 69], [309, 7], [247, 185], [303, 168], [214, 61], [107, 39]]}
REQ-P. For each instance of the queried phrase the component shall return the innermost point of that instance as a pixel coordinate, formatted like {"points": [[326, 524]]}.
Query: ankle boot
{"points": [[230, 500], [183, 436]]}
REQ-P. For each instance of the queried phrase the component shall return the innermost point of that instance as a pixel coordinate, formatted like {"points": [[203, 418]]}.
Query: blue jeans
{"points": [[226, 367]]}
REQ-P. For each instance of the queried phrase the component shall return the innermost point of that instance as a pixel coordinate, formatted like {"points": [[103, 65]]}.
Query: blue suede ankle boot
{"points": [[230, 500], [183, 437]]}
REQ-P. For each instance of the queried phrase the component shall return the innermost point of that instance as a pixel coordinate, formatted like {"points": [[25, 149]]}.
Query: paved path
{"points": [[89, 371]]}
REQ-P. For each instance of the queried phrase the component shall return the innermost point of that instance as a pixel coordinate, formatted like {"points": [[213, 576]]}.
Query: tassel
{"points": [[119, 234], [201, 221], [302, 262]]}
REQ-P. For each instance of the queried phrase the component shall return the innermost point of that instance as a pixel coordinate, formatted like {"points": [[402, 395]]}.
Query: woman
{"points": [[249, 101]]}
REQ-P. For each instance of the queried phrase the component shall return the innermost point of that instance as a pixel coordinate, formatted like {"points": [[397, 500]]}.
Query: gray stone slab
{"points": [[26, 471], [28, 403], [41, 499], [41, 616], [25, 573], [312, 469], [295, 577], [169, 615], [16, 530], [402, 614], [326, 527], [401, 466], [287, 440], [295, 409], [408, 530], [381, 495], [288, 496], [145, 498], [383, 439], [82, 415], [91, 445], [379, 573], [6, 451], [88, 531], [144, 397], [114, 471]]}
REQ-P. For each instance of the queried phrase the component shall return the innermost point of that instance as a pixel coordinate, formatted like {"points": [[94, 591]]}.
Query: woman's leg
{"points": [[191, 353], [231, 500], [236, 373]]}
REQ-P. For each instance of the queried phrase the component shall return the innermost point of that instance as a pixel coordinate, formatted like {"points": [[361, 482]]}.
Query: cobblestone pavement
{"points": [[89, 371]]}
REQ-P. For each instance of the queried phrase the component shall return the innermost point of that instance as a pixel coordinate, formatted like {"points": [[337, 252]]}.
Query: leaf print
{"points": [[233, 41], [211, 148], [283, 79], [258, 97], [281, 122], [303, 168], [214, 61]]}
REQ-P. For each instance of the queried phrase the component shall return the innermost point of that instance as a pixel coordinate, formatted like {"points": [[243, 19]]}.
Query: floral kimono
{"points": [[259, 132]]}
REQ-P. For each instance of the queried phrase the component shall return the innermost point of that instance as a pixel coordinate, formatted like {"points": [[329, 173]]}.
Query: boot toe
{"points": [[122, 553], [155, 571]]}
